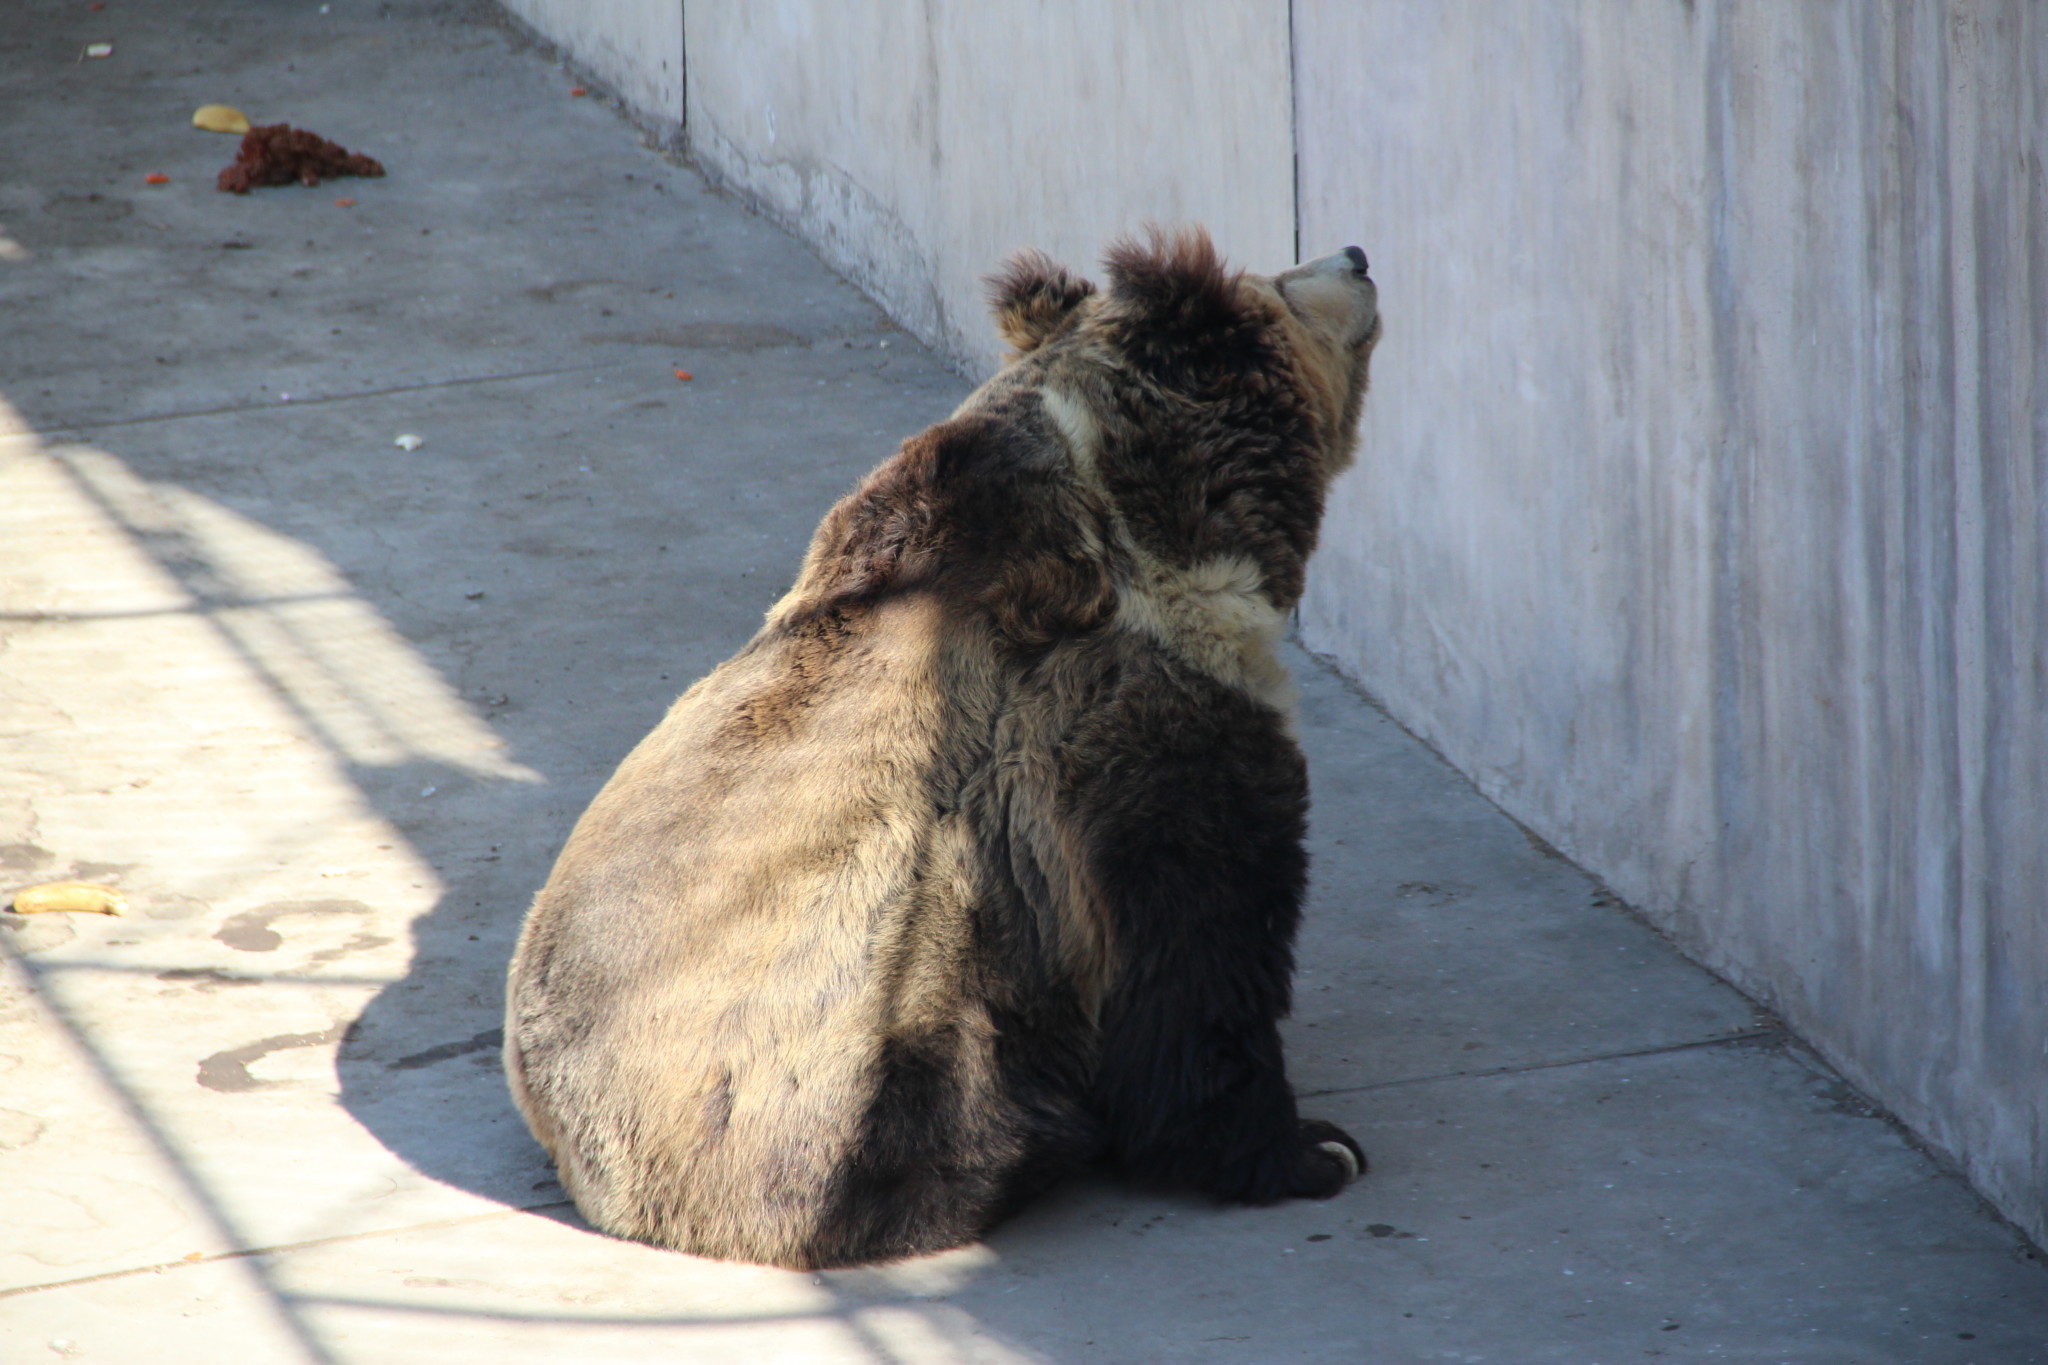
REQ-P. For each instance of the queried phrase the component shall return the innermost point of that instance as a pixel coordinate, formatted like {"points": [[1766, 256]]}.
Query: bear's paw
{"points": [[1345, 1155], [1330, 1159]]}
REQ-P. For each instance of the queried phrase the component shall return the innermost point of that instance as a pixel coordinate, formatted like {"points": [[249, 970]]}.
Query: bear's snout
{"points": [[1334, 293]]}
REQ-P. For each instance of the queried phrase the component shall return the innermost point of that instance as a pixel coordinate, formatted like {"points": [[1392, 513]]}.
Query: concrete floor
{"points": [[325, 709]]}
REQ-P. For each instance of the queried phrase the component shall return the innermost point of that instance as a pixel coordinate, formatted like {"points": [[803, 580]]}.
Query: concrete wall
{"points": [[1701, 519], [1701, 516], [914, 143], [634, 46]]}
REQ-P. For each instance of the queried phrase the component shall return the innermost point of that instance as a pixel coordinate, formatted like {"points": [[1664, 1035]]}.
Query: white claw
{"points": [[1345, 1155]]}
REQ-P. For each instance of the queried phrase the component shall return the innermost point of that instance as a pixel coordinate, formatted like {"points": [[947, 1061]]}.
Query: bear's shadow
{"points": [[419, 1066]]}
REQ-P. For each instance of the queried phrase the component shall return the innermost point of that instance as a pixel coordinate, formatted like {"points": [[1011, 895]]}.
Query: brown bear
{"points": [[982, 861]]}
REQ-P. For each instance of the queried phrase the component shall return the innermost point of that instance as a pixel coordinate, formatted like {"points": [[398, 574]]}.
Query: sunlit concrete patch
{"points": [[192, 701], [248, 645], [535, 1290], [86, 1218], [284, 611], [191, 1315], [86, 1186]]}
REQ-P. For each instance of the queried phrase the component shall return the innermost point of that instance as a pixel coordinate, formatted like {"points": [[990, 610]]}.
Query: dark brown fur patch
{"points": [[1176, 282]]}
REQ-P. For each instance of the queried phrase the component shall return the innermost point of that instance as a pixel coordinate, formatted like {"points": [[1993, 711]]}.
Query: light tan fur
{"points": [[823, 849], [1215, 614]]}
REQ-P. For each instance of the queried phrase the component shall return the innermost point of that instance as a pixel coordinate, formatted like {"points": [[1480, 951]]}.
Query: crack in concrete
{"points": [[224, 602], [278, 1249], [479, 1042], [73, 428], [1759, 1035]]}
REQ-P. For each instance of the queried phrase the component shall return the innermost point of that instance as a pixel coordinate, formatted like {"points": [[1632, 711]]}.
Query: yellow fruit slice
{"points": [[88, 897], [219, 118]]}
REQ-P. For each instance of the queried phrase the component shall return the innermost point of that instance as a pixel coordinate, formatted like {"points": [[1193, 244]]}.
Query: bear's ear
{"points": [[1032, 295], [1175, 281]]}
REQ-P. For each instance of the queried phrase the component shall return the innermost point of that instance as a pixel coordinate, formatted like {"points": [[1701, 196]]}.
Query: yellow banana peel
{"points": [[86, 897], [219, 118]]}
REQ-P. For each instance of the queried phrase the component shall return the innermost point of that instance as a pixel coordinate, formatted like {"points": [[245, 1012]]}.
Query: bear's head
{"points": [[1218, 403], [1174, 309]]}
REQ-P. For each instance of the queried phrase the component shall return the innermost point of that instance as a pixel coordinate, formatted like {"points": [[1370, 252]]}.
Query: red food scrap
{"points": [[279, 154], [156, 178], [578, 90]]}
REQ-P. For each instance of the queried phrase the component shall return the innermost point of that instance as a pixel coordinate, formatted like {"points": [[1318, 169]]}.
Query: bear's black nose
{"points": [[1357, 259]]}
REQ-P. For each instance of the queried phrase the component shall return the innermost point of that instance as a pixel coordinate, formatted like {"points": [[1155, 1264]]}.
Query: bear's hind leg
{"points": [[1195, 826], [1212, 1110]]}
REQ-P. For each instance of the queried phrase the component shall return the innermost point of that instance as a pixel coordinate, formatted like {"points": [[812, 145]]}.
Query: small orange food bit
{"points": [[578, 90], [344, 203], [684, 374], [156, 178]]}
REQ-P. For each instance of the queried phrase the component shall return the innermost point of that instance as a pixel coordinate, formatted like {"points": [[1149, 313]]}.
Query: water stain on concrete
{"points": [[228, 1071], [24, 857], [544, 548], [87, 208], [205, 978], [31, 934], [357, 943], [250, 931], [440, 1282], [165, 905], [708, 336], [561, 290]]}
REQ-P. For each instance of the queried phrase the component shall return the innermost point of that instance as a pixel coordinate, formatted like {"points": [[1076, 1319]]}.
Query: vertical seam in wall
{"points": [[1294, 146], [683, 75]]}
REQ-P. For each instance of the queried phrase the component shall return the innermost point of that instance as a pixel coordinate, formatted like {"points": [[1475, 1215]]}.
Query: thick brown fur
{"points": [[982, 860]]}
